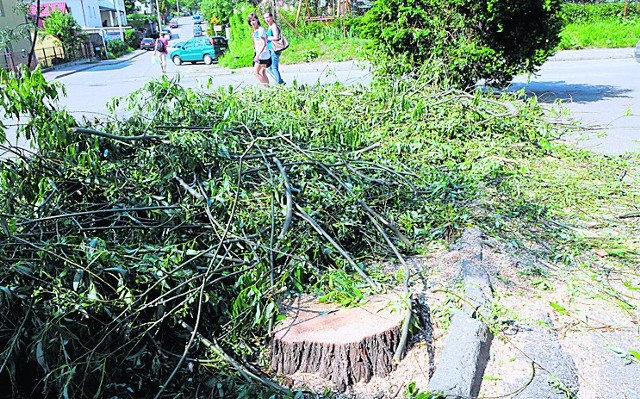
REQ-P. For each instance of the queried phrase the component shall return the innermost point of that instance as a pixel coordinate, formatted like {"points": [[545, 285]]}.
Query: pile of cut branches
{"points": [[150, 254]]}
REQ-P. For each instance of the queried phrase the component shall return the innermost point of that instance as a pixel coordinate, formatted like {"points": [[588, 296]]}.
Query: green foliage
{"points": [[129, 6], [602, 34], [470, 40], [603, 25], [63, 27], [240, 53], [132, 38], [141, 22], [311, 41], [116, 48], [221, 9], [208, 211], [593, 13], [411, 392], [29, 94]]}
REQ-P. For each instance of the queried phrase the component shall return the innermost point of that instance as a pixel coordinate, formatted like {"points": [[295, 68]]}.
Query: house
{"points": [[143, 7], [106, 18], [46, 9], [13, 51], [86, 12], [111, 11]]}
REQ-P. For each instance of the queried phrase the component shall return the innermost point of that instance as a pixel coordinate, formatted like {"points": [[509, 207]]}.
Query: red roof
{"points": [[47, 8]]}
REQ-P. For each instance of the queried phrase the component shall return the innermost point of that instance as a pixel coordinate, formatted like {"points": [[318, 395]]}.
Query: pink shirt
{"points": [[166, 44]]}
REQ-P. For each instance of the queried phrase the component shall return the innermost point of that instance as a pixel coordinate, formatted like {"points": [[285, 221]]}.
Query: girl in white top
{"points": [[262, 56]]}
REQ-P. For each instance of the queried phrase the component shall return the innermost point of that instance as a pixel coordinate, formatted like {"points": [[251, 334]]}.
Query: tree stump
{"points": [[344, 345]]}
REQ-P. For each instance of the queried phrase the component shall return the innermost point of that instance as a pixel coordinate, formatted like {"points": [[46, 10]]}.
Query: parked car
{"points": [[196, 50], [197, 30], [147, 44], [175, 45], [173, 23], [220, 44]]}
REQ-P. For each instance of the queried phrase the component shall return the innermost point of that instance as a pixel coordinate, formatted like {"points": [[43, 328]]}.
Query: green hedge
{"points": [[589, 13], [116, 48]]}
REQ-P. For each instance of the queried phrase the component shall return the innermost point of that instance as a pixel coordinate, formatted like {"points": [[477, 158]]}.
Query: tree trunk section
{"points": [[344, 345]]}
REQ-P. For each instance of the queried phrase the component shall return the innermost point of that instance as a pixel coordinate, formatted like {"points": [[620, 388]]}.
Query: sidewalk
{"points": [[60, 71], [593, 54]]}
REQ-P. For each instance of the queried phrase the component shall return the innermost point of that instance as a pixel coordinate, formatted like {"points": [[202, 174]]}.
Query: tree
{"points": [[141, 22], [63, 27], [221, 9], [129, 6], [465, 40]]}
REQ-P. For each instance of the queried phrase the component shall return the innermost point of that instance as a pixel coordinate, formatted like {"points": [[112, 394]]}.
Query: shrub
{"points": [[471, 40], [589, 13], [117, 47], [240, 46], [63, 27], [132, 38]]}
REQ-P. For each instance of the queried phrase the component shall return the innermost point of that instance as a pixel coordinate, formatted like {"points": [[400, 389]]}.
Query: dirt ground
{"points": [[592, 311]]}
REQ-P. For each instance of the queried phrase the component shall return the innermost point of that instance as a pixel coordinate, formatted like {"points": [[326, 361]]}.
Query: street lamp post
{"points": [[158, 12]]}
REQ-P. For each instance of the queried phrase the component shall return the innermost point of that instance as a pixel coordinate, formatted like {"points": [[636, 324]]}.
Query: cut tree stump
{"points": [[344, 345]]}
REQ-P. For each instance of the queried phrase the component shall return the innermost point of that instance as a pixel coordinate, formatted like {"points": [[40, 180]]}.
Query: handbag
{"points": [[280, 44]]}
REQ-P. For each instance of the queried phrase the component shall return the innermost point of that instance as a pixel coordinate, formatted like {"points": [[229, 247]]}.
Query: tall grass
{"points": [[603, 34]]}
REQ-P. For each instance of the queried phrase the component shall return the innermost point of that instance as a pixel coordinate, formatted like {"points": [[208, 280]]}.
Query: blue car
{"points": [[197, 30], [198, 49], [197, 19]]}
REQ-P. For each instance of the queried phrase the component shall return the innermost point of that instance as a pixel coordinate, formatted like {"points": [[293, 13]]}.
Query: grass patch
{"points": [[603, 34]]}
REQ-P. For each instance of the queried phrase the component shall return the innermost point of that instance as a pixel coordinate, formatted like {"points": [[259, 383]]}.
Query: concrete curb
{"points": [[593, 54], [466, 351]]}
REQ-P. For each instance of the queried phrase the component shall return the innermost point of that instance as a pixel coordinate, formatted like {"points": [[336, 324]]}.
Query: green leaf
{"points": [[40, 357], [77, 279], [635, 354], [6, 290], [559, 308]]}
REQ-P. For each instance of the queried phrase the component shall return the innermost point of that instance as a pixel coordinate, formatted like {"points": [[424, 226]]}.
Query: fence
{"points": [[50, 56], [7, 61]]}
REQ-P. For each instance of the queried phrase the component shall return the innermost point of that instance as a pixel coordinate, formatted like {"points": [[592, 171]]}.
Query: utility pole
{"points": [[159, 23]]}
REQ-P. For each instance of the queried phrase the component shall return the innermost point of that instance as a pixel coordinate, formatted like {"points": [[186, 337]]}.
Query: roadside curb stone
{"points": [[593, 54], [466, 352], [463, 360]]}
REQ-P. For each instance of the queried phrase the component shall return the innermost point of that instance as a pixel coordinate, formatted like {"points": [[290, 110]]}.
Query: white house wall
{"points": [[85, 12], [109, 8]]}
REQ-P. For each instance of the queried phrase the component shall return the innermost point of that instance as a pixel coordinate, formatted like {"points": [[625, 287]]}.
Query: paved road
{"points": [[601, 88]]}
